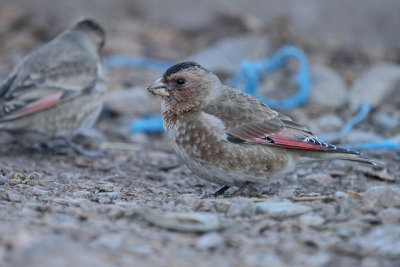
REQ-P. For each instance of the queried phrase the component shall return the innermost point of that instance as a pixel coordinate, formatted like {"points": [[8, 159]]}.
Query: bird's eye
{"points": [[181, 81]]}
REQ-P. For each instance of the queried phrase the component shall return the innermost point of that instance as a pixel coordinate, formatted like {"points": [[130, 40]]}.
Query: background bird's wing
{"points": [[250, 121], [30, 89]]}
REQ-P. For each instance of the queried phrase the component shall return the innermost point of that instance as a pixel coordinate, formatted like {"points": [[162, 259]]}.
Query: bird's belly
{"points": [[62, 120], [234, 164]]}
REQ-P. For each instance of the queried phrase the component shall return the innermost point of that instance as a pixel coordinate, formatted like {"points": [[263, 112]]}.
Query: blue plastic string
{"points": [[365, 108], [251, 71]]}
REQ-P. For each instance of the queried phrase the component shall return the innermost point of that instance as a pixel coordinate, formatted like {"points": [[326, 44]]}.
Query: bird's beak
{"points": [[158, 88]]}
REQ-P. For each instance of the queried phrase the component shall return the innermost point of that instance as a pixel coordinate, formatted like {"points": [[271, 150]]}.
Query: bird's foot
{"points": [[218, 193], [85, 152], [241, 190]]}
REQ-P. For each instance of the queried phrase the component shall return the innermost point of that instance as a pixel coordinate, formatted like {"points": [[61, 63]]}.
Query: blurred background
{"points": [[79, 210]]}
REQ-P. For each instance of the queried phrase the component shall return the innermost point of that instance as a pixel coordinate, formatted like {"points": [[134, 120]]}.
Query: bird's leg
{"points": [[240, 190], [85, 152], [220, 191], [57, 146]]}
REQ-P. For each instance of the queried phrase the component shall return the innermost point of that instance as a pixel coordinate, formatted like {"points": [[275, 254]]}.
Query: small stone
{"points": [[359, 136], [188, 200], [39, 192], [390, 216], [3, 179], [384, 241], [328, 123], [281, 209], [311, 220], [210, 241], [241, 208], [13, 197], [376, 83], [387, 121], [329, 89], [341, 195], [382, 196], [320, 178], [226, 56]]}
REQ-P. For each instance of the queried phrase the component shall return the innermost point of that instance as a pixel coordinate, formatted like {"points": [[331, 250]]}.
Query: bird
{"points": [[56, 91], [229, 137]]}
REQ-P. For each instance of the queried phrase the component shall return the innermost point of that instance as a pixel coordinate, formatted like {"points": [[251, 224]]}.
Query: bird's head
{"points": [[92, 30], [185, 87]]}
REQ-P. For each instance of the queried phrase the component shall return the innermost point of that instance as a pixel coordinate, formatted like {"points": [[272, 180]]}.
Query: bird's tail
{"points": [[342, 156]]}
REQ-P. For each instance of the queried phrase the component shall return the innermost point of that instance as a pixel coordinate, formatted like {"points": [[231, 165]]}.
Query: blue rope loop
{"points": [[251, 71]]}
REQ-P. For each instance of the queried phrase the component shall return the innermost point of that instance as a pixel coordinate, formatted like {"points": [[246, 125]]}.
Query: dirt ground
{"points": [[138, 205]]}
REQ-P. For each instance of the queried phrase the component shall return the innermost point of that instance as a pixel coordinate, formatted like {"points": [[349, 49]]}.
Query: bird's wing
{"points": [[249, 121], [26, 92]]}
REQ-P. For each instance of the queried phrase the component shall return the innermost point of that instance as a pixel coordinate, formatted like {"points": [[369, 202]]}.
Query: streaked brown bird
{"points": [[229, 137], [57, 90]]}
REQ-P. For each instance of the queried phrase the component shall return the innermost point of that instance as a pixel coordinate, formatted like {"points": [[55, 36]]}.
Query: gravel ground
{"points": [[138, 205]]}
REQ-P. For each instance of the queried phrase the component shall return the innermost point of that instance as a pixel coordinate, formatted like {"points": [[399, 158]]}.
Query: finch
{"points": [[229, 137], [57, 90]]}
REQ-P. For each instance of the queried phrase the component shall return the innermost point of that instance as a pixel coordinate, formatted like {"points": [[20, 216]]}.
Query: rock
{"points": [[328, 123], [188, 200], [382, 196], [14, 197], [241, 208], [376, 83], [359, 136], [384, 242], [59, 251], [320, 178], [210, 241], [39, 192], [225, 56], [281, 209], [390, 216], [3, 179], [328, 88], [311, 220], [386, 121], [132, 102]]}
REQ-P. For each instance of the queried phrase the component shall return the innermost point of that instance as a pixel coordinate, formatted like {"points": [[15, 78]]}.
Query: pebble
{"points": [[382, 196], [328, 123], [13, 197], [320, 178], [382, 241], [241, 208], [311, 220], [225, 56], [210, 241], [59, 251], [3, 179], [39, 192], [329, 89], [386, 121], [359, 136], [376, 83], [188, 200], [281, 209], [390, 216]]}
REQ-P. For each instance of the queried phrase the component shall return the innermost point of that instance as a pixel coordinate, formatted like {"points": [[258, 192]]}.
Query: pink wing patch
{"points": [[42, 103], [285, 141]]}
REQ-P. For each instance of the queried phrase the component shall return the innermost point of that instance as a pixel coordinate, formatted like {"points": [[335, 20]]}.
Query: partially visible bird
{"points": [[57, 90], [229, 137]]}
